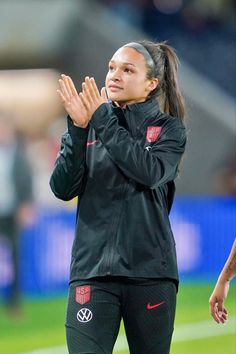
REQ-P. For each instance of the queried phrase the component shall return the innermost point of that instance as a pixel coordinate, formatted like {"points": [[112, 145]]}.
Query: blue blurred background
{"points": [[41, 39]]}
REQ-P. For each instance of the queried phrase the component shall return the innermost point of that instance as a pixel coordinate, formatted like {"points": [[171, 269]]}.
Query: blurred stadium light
{"points": [[30, 95], [168, 7]]}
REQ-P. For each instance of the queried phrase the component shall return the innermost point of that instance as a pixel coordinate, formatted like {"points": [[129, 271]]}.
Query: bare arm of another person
{"points": [[220, 292]]}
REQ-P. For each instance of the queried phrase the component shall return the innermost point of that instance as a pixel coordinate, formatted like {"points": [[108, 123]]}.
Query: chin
{"points": [[113, 96], [119, 99]]}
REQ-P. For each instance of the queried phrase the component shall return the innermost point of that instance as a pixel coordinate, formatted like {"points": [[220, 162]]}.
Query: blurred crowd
{"points": [[201, 31], [26, 162], [16, 191], [195, 14]]}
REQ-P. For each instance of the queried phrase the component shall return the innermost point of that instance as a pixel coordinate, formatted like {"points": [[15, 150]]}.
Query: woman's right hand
{"points": [[72, 102], [216, 301]]}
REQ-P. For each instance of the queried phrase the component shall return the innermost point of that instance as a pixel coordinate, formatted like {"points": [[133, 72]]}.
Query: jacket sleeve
{"points": [[151, 167], [69, 174]]}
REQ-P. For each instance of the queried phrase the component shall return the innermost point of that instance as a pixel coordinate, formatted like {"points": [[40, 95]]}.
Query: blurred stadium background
{"points": [[41, 39]]}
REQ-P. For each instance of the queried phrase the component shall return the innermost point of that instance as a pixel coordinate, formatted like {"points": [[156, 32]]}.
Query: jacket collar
{"points": [[142, 111]]}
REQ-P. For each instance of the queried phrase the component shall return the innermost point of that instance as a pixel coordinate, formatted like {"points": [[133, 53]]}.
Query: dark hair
{"points": [[162, 63]]}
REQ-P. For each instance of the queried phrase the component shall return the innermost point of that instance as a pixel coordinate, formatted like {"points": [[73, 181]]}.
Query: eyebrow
{"points": [[124, 63]]}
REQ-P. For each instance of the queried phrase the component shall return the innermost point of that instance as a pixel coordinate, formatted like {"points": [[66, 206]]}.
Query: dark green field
{"points": [[42, 326]]}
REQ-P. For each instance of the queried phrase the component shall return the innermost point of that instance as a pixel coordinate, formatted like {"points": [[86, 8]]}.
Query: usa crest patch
{"points": [[152, 134], [83, 294]]}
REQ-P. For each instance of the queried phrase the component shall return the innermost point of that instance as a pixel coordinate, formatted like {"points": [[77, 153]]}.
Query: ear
{"points": [[153, 84]]}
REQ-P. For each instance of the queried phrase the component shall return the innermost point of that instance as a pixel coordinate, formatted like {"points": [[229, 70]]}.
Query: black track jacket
{"points": [[122, 167]]}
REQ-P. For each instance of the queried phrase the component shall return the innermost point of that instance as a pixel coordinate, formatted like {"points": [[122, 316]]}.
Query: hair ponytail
{"points": [[162, 63], [173, 100]]}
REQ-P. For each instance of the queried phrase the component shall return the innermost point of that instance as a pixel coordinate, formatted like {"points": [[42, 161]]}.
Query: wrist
{"points": [[223, 280], [83, 126], [76, 130]]}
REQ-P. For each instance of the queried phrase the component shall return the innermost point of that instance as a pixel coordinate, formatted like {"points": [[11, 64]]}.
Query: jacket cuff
{"points": [[99, 118], [75, 131]]}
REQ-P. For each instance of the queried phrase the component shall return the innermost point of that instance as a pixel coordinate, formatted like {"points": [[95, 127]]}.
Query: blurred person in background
{"points": [[15, 200], [220, 292], [121, 156], [225, 176]]}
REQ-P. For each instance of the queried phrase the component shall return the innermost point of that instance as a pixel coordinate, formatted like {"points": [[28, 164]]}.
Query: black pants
{"points": [[96, 306]]}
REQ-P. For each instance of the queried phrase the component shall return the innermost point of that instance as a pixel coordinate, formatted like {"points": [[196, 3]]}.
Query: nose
{"points": [[116, 75]]}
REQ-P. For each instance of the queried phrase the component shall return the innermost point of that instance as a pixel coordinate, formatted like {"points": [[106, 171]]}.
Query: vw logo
{"points": [[84, 315]]}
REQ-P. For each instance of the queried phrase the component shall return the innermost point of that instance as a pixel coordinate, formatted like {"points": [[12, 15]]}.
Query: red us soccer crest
{"points": [[153, 134], [83, 294]]}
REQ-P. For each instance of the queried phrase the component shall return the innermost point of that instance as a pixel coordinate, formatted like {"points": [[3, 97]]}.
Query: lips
{"points": [[114, 88]]}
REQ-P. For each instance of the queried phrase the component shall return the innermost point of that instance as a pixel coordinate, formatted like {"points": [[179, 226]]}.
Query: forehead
{"points": [[129, 55]]}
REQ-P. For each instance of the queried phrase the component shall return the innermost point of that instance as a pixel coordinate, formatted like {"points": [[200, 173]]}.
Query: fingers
{"points": [[64, 91], [218, 312], [89, 98], [61, 96], [221, 312], [86, 97], [72, 86], [213, 311], [91, 89], [104, 94], [66, 83], [86, 91], [94, 88], [67, 88], [220, 306], [69, 85], [223, 315], [84, 100]]}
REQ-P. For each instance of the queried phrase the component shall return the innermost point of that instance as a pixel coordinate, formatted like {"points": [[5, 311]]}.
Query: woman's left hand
{"points": [[91, 97]]}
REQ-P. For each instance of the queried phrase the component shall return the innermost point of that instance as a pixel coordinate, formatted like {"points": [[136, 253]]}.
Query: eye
{"points": [[111, 68], [128, 70]]}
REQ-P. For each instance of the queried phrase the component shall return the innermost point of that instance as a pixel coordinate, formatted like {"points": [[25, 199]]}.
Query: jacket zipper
{"points": [[132, 129], [110, 248]]}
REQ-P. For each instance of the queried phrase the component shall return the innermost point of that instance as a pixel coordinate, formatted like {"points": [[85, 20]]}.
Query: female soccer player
{"points": [[120, 156], [220, 292]]}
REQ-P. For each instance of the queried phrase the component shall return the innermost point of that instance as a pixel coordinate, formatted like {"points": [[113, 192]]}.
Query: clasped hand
{"points": [[81, 107]]}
